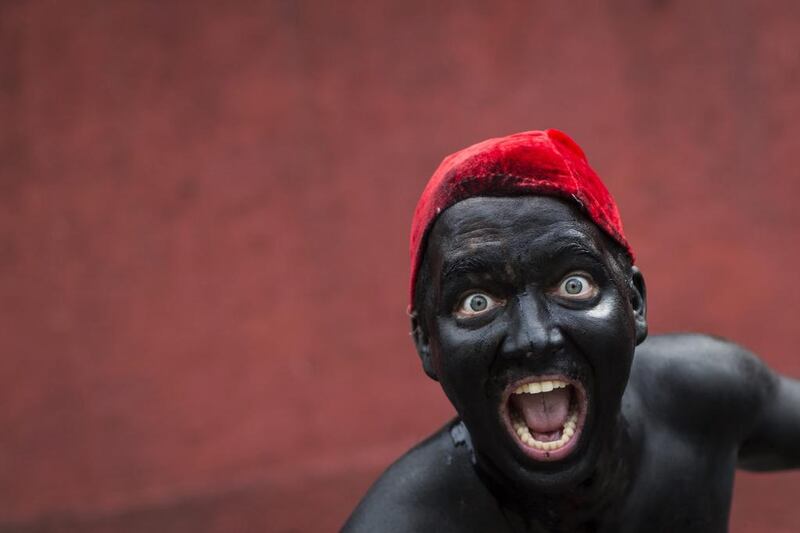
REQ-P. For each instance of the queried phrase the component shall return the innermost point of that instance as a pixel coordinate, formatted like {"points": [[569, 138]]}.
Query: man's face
{"points": [[531, 329]]}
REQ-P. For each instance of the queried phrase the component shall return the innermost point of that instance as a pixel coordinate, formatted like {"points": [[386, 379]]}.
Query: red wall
{"points": [[204, 211]]}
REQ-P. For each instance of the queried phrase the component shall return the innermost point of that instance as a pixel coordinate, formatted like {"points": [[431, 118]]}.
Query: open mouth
{"points": [[545, 415]]}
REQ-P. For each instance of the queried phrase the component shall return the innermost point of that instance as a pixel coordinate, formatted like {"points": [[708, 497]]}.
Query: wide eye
{"points": [[475, 304], [577, 287]]}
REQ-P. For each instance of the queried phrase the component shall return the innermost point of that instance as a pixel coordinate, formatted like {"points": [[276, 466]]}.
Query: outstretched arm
{"points": [[773, 443], [719, 389]]}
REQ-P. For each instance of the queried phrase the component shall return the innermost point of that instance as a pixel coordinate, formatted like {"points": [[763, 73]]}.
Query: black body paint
{"points": [[664, 429]]}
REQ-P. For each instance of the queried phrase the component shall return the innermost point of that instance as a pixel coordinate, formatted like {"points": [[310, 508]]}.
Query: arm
{"points": [[774, 441], [722, 392], [763, 407]]}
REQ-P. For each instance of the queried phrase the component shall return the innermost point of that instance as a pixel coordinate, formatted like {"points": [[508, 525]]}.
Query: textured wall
{"points": [[204, 210]]}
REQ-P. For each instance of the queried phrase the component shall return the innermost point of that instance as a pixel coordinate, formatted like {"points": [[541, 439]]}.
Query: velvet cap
{"points": [[528, 163]]}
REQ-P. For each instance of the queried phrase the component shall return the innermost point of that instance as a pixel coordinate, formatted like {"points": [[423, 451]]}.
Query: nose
{"points": [[531, 331]]}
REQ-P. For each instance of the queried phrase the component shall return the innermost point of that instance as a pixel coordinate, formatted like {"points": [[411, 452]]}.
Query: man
{"points": [[528, 310]]}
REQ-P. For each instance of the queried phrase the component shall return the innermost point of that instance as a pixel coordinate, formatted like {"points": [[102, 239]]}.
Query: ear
{"points": [[638, 296], [420, 337]]}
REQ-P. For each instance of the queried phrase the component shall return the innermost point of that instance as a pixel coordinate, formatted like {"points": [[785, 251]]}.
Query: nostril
{"points": [[531, 331]]}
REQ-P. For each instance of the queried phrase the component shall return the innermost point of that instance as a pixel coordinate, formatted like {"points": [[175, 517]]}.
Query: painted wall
{"points": [[203, 227]]}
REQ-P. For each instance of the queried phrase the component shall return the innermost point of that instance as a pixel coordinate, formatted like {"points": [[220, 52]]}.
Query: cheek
{"points": [[460, 346], [606, 335], [464, 358], [604, 311]]}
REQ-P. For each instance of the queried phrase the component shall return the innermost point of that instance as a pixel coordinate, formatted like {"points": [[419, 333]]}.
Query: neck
{"points": [[585, 507]]}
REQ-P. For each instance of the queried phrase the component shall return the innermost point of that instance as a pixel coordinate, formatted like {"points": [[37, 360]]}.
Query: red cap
{"points": [[528, 163]]}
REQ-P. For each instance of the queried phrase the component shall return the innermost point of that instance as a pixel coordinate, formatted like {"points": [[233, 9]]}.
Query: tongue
{"points": [[544, 412]]}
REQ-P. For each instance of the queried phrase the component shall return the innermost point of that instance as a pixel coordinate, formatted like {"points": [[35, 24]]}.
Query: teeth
{"points": [[540, 386], [524, 434]]}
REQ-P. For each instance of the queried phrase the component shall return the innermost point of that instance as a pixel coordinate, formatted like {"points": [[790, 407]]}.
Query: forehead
{"points": [[531, 223]]}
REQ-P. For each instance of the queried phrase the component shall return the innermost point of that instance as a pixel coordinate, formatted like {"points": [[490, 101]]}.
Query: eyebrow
{"points": [[576, 248], [495, 260], [484, 261]]}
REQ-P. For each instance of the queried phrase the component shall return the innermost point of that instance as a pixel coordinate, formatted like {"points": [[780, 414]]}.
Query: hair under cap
{"points": [[528, 163]]}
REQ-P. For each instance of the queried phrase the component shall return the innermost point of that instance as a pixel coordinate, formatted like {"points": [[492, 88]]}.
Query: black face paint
{"points": [[521, 290]]}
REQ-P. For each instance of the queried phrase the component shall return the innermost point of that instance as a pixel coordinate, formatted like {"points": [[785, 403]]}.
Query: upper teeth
{"points": [[540, 386]]}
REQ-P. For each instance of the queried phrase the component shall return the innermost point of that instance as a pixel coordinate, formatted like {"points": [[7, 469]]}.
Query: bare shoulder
{"points": [[699, 381], [433, 487]]}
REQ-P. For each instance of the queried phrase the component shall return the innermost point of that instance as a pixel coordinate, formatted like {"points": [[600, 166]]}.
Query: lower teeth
{"points": [[524, 434]]}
